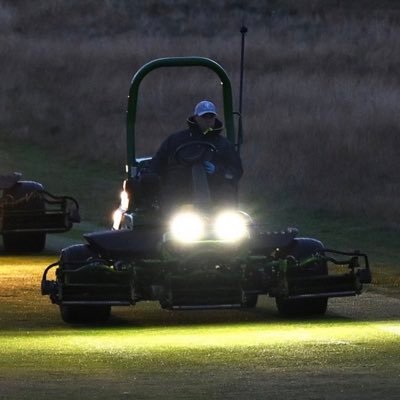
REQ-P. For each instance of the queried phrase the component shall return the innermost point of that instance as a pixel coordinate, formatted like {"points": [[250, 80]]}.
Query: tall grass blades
{"points": [[321, 112]]}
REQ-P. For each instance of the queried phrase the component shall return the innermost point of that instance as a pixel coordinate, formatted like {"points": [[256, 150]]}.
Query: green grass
{"points": [[130, 350], [145, 351]]}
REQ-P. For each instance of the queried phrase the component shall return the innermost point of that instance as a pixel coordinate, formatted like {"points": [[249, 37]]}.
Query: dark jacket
{"points": [[226, 159]]}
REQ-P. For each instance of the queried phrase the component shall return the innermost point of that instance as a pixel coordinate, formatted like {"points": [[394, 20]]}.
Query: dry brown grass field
{"points": [[321, 102]]}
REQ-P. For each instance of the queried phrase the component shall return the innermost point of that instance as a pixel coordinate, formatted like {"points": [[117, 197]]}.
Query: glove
{"points": [[209, 166]]}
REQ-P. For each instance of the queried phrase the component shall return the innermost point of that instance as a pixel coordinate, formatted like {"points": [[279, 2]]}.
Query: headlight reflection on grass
{"points": [[264, 346], [193, 337]]}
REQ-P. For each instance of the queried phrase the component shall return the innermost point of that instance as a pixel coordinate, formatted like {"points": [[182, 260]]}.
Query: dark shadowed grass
{"points": [[321, 112]]}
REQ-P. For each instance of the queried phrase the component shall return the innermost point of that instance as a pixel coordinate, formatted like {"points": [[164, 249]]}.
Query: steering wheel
{"points": [[191, 153]]}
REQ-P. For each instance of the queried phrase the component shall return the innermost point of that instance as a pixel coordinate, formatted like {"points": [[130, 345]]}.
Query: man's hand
{"points": [[209, 166]]}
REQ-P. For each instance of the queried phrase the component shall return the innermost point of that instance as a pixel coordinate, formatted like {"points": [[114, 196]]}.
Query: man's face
{"points": [[205, 121]]}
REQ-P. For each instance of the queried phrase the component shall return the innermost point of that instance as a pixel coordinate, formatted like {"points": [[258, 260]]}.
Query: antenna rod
{"points": [[243, 31]]}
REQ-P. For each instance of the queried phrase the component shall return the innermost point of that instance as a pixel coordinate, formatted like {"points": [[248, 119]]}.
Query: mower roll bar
{"points": [[131, 161]]}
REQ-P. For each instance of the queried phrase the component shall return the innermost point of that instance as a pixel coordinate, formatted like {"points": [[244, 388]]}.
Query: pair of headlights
{"points": [[189, 226]]}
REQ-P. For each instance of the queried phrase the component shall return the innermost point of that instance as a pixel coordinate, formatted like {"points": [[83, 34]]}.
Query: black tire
{"points": [[301, 307], [25, 242], [302, 248], [75, 314], [251, 301]]}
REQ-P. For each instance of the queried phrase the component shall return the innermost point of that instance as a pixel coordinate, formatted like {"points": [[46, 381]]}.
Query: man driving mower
{"points": [[222, 163]]}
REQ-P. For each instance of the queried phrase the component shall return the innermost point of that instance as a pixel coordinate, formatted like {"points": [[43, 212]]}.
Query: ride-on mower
{"points": [[201, 257], [28, 213]]}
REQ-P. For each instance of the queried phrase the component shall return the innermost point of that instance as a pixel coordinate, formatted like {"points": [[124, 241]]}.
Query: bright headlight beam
{"points": [[187, 227], [230, 226]]}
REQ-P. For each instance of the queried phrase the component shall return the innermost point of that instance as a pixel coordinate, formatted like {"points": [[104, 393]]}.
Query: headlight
{"points": [[187, 227], [231, 226]]}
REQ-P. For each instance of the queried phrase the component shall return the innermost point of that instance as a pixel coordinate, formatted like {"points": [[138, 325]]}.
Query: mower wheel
{"points": [[251, 301], [24, 242], [75, 314], [301, 307], [302, 248]]}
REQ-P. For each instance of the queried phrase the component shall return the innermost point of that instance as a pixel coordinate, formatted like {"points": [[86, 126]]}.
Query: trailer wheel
{"points": [[303, 248], [75, 314], [25, 241]]}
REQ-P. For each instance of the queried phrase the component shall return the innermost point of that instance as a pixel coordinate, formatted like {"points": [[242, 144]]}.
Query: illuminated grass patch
{"points": [[175, 338], [145, 352], [275, 345]]}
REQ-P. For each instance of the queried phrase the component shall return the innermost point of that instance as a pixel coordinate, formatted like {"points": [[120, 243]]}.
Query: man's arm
{"points": [[228, 162]]}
